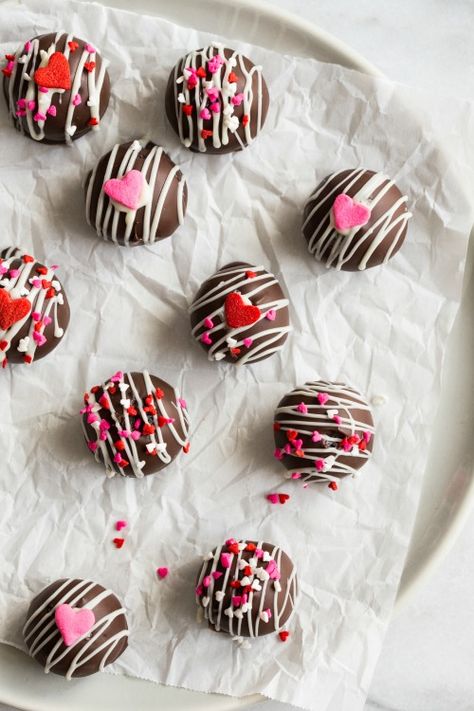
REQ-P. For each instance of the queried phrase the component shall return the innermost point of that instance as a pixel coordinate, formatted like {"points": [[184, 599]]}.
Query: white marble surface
{"points": [[426, 662]]}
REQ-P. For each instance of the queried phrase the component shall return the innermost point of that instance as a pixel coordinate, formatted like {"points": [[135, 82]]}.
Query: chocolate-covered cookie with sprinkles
{"points": [[323, 432], [135, 424], [247, 588], [34, 312], [240, 314]]}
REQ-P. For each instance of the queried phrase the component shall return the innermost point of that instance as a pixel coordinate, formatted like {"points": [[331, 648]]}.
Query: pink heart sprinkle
{"points": [[236, 600], [278, 454], [43, 89], [206, 581], [135, 435], [47, 320], [212, 93], [230, 542], [31, 105], [319, 464], [323, 398], [39, 338], [76, 100], [90, 48], [205, 338], [205, 114], [271, 315], [367, 436], [287, 448], [117, 457], [316, 436], [102, 436], [247, 342], [259, 552], [296, 475], [120, 524], [104, 425], [21, 103], [117, 377], [302, 407], [215, 107], [199, 590], [216, 574], [126, 191], [92, 418], [27, 46], [337, 419], [39, 117], [297, 443], [237, 99], [182, 403], [36, 283], [162, 572], [347, 214], [73, 623], [14, 273], [124, 433], [269, 613], [92, 446], [226, 560], [272, 498], [3, 270], [208, 322]]}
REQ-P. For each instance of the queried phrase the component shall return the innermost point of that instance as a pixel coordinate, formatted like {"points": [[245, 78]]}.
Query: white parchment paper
{"points": [[384, 331]]}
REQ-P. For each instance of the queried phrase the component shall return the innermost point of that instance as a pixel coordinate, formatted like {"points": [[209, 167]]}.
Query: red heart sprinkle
{"points": [[205, 133], [3, 345], [238, 313], [159, 393], [45, 283], [233, 77], [73, 46], [93, 121], [283, 635], [149, 399], [118, 542], [245, 119], [201, 72], [10, 57], [26, 258], [148, 429], [41, 270], [104, 401], [248, 570], [233, 548], [112, 389], [56, 74], [95, 389], [26, 358], [7, 73], [234, 352], [291, 435], [186, 447], [89, 66], [250, 547], [12, 310], [333, 486], [234, 584], [119, 445], [188, 109], [283, 498], [250, 275], [131, 411], [162, 421], [362, 445], [276, 426]]}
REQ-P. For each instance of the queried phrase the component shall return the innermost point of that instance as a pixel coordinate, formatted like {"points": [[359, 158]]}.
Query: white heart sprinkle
{"points": [[125, 403], [231, 341], [71, 130], [242, 564], [239, 614], [277, 586], [264, 616], [24, 291], [23, 59], [60, 298], [219, 595], [23, 344], [56, 285], [181, 98], [329, 462], [253, 562], [218, 356], [150, 447], [266, 556], [205, 601], [256, 585], [245, 607], [245, 581], [332, 413], [229, 612]]}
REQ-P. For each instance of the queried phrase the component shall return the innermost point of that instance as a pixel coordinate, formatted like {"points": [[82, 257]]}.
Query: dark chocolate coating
{"points": [[356, 418], [169, 218], [54, 127], [63, 314], [176, 115], [153, 463], [41, 632], [383, 217], [261, 332], [282, 601]]}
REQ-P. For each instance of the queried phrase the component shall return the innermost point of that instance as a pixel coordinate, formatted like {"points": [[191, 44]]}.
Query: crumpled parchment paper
{"points": [[384, 331]]}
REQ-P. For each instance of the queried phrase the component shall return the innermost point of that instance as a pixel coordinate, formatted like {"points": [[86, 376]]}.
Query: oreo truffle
{"points": [[135, 424], [247, 588], [75, 628], [323, 432], [56, 87], [240, 314], [135, 195], [34, 312], [216, 100], [355, 219]]}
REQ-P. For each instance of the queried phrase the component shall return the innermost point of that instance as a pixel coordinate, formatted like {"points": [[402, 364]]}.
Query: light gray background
{"points": [[426, 663]]}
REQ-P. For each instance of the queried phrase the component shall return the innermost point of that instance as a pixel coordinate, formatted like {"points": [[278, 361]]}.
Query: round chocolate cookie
{"points": [[75, 628], [56, 87], [323, 432], [135, 424], [247, 588], [216, 100], [240, 314], [355, 219], [34, 312], [135, 195]]}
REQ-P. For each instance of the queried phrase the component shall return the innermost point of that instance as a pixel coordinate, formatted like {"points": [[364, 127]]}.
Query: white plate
{"points": [[448, 489]]}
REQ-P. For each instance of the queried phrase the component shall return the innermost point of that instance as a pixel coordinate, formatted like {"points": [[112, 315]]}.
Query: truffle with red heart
{"points": [[240, 314]]}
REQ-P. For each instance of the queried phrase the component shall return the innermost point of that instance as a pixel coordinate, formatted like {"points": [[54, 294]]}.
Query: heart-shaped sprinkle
{"points": [[216, 574], [126, 191], [90, 48], [188, 109], [226, 560], [73, 622], [219, 595], [52, 111], [76, 100], [118, 542], [271, 315], [12, 310], [56, 74], [332, 413], [283, 498], [239, 314], [4, 345], [272, 498], [120, 524], [89, 66], [332, 485], [250, 275], [247, 342], [283, 635], [291, 435], [208, 322], [205, 601], [323, 398], [205, 114], [316, 436], [232, 78], [162, 572], [73, 46], [347, 214]]}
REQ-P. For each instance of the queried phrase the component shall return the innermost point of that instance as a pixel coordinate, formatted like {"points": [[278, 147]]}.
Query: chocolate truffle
{"points": [[240, 314], [355, 219], [135, 424], [56, 87], [247, 588], [216, 100], [75, 628], [323, 432], [135, 195], [34, 312]]}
